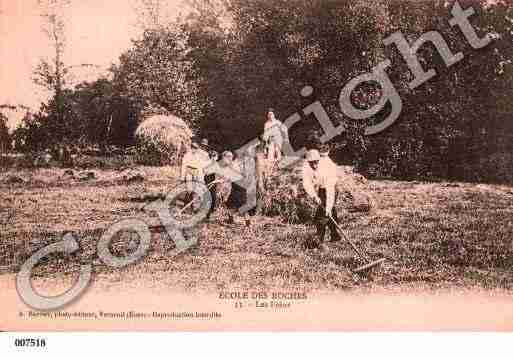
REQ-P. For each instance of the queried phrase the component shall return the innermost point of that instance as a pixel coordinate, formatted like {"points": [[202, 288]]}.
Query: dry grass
{"points": [[433, 235], [164, 135], [286, 198]]}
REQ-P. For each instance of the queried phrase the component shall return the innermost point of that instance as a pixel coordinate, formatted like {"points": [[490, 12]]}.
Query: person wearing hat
{"points": [[319, 182], [324, 152], [205, 148], [193, 163]]}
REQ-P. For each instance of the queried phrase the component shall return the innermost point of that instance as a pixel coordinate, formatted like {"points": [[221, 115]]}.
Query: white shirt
{"points": [[275, 131], [227, 172], [193, 163], [324, 177], [204, 154]]}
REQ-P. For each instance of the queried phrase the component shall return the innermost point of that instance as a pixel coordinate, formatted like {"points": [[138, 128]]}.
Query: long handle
{"points": [[191, 202], [363, 256]]}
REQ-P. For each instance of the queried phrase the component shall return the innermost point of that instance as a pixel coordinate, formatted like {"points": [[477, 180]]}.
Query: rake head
{"points": [[369, 265]]}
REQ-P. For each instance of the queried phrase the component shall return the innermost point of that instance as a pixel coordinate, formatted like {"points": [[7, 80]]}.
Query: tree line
{"points": [[226, 62]]}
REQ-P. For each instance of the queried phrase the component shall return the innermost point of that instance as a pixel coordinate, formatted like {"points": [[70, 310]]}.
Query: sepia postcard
{"points": [[256, 165]]}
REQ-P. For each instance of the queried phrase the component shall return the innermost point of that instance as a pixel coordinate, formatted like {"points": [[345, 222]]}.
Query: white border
{"points": [[261, 345]]}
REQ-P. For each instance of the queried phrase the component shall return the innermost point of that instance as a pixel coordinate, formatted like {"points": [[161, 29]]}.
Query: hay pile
{"points": [[161, 139], [286, 198]]}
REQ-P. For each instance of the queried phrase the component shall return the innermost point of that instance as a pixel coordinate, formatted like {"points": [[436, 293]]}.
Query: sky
{"points": [[97, 32]]}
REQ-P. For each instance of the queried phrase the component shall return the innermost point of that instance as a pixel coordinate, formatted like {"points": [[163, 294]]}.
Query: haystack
{"points": [[286, 198], [166, 135]]}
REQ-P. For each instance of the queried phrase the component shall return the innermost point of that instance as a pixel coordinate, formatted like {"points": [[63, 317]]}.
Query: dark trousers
{"points": [[237, 197], [322, 222], [213, 192]]}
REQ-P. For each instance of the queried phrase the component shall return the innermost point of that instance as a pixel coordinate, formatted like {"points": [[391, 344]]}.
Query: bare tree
{"points": [[149, 13], [52, 74], [4, 135]]}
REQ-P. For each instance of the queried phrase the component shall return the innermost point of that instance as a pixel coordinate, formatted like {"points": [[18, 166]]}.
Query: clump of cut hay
{"points": [[354, 194], [285, 196], [161, 139]]}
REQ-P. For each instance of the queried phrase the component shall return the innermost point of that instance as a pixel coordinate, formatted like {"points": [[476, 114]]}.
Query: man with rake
{"points": [[319, 182]]}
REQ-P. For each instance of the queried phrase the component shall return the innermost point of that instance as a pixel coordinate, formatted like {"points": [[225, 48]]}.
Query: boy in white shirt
{"points": [[275, 133], [319, 182]]}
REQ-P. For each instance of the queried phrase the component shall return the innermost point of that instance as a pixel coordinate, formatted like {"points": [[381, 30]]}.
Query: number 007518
{"points": [[30, 342]]}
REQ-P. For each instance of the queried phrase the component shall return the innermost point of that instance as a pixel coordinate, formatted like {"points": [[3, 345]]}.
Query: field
{"points": [[433, 235]]}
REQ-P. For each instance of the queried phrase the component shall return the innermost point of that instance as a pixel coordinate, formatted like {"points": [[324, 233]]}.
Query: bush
{"points": [[149, 153]]}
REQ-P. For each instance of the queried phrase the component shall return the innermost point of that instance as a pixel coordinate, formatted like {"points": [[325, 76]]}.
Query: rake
{"points": [[160, 227], [192, 201], [368, 263]]}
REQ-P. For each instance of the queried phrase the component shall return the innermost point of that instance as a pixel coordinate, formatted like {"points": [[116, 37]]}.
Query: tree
{"points": [[150, 14], [271, 49], [449, 124], [105, 116], [56, 76], [53, 74], [5, 138], [155, 71], [248, 55], [96, 115]]}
